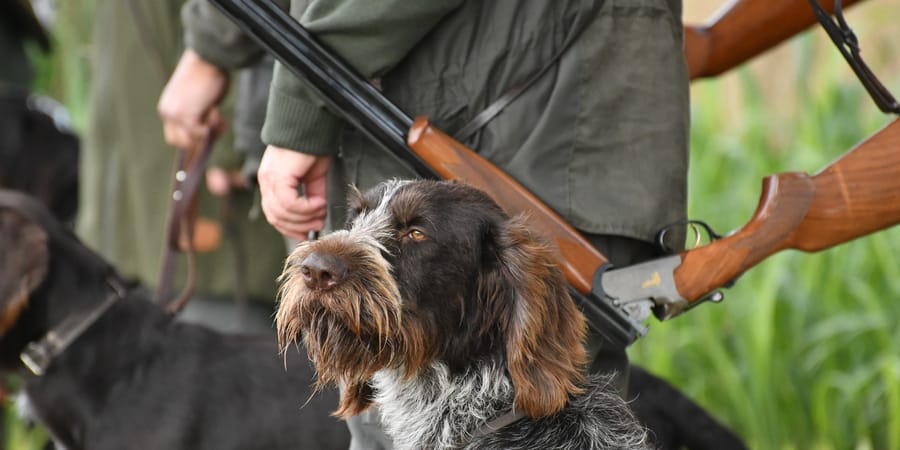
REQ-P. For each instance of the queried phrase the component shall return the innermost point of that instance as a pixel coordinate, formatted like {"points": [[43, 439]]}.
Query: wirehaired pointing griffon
{"points": [[454, 319]]}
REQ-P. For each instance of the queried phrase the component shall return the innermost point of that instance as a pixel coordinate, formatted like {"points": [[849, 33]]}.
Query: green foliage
{"points": [[64, 73], [20, 437], [802, 353], [13, 433]]}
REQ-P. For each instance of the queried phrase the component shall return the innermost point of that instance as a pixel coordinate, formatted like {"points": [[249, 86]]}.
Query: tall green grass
{"points": [[802, 354]]}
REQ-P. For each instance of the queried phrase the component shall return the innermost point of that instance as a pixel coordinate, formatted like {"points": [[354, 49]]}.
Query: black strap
{"points": [[487, 114], [38, 355], [848, 44]]}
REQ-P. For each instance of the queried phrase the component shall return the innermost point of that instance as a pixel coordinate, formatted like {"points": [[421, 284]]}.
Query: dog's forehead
{"points": [[402, 201], [379, 198], [370, 216], [374, 206]]}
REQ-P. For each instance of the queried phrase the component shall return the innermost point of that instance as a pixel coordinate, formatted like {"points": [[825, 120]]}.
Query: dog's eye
{"points": [[415, 235]]}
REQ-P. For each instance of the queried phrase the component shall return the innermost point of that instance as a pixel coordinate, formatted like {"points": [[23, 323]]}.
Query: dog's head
{"points": [[433, 271], [39, 152], [41, 261], [24, 259]]}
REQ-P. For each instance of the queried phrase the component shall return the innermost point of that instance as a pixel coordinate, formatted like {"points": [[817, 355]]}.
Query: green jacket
{"points": [[126, 170], [602, 137]]}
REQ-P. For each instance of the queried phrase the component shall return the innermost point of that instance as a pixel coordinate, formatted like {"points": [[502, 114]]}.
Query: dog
{"points": [[109, 369], [39, 152], [674, 420], [455, 320]]}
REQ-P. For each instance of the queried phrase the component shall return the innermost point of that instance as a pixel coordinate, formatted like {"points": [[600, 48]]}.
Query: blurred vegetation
{"points": [[802, 354]]}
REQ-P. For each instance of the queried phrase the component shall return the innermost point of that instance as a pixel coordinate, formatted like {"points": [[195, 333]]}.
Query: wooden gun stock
{"points": [[743, 29], [452, 160], [856, 195]]}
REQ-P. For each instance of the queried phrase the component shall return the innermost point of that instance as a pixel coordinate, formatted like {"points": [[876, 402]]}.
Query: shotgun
{"points": [[856, 195], [742, 29]]}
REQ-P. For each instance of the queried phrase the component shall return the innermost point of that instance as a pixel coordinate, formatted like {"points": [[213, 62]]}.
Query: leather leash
{"points": [[190, 170]]}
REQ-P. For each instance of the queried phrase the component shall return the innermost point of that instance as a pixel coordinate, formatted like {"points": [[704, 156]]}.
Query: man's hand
{"points": [[220, 182], [188, 104], [282, 173]]}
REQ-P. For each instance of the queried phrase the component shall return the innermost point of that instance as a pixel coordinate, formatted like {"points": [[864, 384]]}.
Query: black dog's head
{"points": [[38, 152], [40, 259], [24, 260], [433, 271]]}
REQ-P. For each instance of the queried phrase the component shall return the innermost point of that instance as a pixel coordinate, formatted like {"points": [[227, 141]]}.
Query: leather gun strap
{"points": [[179, 229], [848, 44]]}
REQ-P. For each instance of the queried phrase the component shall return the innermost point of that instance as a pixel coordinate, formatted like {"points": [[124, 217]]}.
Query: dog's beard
{"points": [[354, 328]]}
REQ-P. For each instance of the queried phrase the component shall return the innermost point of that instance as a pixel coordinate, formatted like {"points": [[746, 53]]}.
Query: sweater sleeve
{"points": [[216, 38], [371, 36]]}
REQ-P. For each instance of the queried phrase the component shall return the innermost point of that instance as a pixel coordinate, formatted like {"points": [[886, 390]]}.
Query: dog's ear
{"points": [[24, 260], [356, 201], [544, 330], [355, 398]]}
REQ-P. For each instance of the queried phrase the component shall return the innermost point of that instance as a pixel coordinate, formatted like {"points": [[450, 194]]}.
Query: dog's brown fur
{"points": [[25, 264]]}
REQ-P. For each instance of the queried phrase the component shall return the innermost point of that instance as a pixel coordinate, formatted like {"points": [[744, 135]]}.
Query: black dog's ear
{"points": [[24, 260], [543, 329]]}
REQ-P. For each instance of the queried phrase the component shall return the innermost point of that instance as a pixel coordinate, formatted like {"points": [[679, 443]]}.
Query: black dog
{"points": [[110, 370], [38, 151], [673, 419]]}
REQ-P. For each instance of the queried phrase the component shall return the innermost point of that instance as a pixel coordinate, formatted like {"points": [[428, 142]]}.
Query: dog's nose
{"points": [[322, 270]]}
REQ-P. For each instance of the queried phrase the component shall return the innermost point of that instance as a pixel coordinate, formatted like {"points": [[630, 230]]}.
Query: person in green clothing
{"points": [[601, 136], [126, 172]]}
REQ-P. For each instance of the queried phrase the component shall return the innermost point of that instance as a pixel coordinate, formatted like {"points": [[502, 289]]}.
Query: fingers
{"points": [[187, 136], [220, 181], [184, 133], [217, 181], [293, 190], [292, 214], [187, 105]]}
